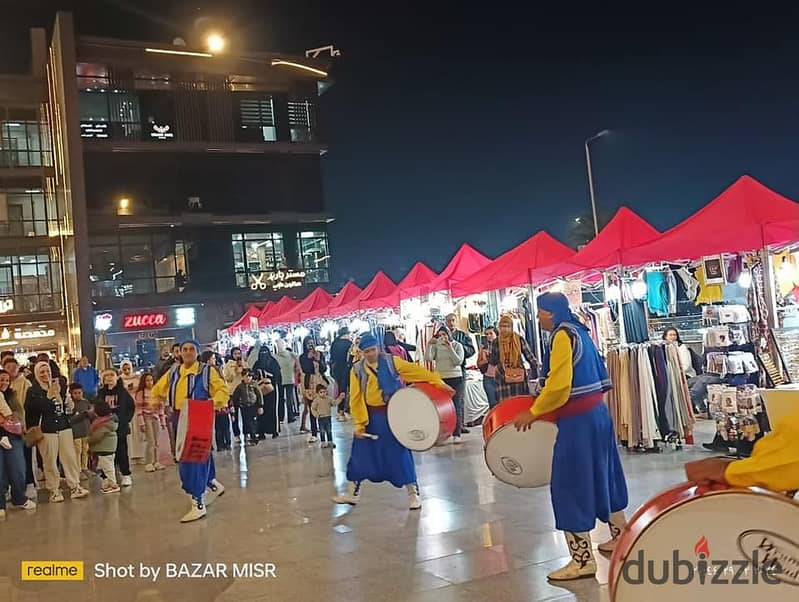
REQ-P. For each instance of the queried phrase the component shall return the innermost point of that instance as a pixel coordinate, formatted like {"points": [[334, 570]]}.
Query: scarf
{"points": [[510, 346]]}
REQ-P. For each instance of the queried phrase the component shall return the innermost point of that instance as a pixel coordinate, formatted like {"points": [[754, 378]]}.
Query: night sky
{"points": [[458, 121]]}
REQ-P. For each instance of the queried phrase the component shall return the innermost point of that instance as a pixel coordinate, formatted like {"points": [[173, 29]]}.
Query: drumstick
{"points": [[371, 436]]}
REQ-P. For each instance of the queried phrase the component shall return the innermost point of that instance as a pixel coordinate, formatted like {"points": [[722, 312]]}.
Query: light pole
{"points": [[591, 176]]}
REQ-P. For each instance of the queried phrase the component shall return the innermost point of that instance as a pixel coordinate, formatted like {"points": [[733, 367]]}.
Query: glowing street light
{"points": [[124, 206], [215, 42]]}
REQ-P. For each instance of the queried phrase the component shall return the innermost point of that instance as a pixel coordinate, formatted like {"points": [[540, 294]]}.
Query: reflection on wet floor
{"points": [[474, 538]]}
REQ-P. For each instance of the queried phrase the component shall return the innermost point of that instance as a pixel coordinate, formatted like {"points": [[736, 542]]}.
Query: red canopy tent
{"points": [[415, 282], [380, 292], [319, 299], [462, 265], [243, 323], [745, 217], [347, 294], [281, 306], [627, 230], [513, 268]]}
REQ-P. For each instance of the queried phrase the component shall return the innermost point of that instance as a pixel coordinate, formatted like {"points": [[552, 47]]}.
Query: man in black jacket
{"points": [[340, 366], [113, 392]]}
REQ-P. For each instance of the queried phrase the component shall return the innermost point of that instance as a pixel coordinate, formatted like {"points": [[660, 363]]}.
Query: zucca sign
{"points": [[151, 320]]}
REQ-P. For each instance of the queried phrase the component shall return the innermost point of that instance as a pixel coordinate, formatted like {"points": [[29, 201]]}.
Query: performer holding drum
{"points": [[376, 454], [192, 380], [587, 477]]}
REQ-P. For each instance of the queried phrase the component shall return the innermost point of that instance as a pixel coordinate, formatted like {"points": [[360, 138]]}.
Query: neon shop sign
{"points": [[161, 132], [282, 279], [150, 320], [20, 335]]}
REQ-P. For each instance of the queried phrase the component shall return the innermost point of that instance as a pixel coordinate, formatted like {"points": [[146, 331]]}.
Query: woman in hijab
{"points": [[268, 377], [313, 366], [46, 409], [507, 353], [587, 478]]}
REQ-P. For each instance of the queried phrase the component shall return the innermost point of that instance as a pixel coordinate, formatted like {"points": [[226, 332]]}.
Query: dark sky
{"points": [[460, 121]]}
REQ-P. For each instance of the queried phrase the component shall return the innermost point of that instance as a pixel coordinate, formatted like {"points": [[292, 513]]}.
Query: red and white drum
{"points": [[522, 459], [691, 543], [421, 416], [195, 433]]}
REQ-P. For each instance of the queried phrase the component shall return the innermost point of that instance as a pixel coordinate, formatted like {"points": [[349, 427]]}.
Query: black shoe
{"points": [[464, 431], [275, 435], [716, 447], [292, 420]]}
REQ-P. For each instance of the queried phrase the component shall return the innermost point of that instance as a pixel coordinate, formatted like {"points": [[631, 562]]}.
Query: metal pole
{"points": [[591, 186]]}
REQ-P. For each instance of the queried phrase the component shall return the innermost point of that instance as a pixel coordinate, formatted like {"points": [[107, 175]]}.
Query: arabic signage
{"points": [[161, 131], [6, 305], [93, 129], [22, 334], [282, 279]]}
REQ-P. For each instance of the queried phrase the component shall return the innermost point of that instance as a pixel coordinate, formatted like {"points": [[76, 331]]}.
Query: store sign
{"points": [[93, 129], [185, 316], [18, 334], [102, 322], [161, 132], [281, 279], [151, 320], [6, 305]]}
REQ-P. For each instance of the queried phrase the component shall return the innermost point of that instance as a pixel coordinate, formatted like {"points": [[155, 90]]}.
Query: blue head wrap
{"points": [[368, 340], [387, 379], [194, 342], [558, 305]]}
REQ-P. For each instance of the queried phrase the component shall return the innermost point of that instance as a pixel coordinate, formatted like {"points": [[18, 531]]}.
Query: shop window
{"points": [[92, 76], [302, 120], [257, 120], [24, 140], [314, 255], [256, 255], [23, 212], [31, 281]]}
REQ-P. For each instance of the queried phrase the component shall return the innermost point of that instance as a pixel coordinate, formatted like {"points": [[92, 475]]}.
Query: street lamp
{"points": [[591, 176], [215, 42]]}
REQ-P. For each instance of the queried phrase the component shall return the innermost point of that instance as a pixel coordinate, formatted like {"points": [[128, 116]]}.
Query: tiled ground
{"points": [[474, 539]]}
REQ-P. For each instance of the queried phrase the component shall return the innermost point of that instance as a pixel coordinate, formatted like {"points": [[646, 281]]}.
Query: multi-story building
{"points": [[194, 181], [36, 257]]}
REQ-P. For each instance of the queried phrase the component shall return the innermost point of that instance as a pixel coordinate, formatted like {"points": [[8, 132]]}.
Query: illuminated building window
{"points": [[314, 255], [256, 255], [302, 120], [257, 120]]}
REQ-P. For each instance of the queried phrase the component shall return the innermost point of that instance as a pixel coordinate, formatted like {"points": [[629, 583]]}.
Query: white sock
{"points": [[5, 443]]}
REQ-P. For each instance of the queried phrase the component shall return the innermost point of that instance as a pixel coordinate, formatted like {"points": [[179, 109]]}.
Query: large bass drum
{"points": [[522, 459], [421, 416], [693, 543]]}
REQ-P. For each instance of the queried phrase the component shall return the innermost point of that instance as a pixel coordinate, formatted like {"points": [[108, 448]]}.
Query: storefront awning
{"points": [[318, 300], [243, 323], [462, 265], [347, 294], [513, 268], [281, 306], [379, 293], [745, 217], [416, 281]]}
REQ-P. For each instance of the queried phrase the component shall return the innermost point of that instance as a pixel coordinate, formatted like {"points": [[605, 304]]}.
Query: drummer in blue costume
{"points": [[587, 477], [193, 380], [373, 381]]}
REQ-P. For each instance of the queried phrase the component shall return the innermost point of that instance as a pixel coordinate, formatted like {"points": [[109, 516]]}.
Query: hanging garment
{"points": [[635, 326], [690, 283], [708, 293], [671, 285], [657, 293]]}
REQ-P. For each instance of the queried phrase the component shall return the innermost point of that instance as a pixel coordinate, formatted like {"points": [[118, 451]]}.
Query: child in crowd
{"points": [[103, 443], [248, 399], [81, 422], [320, 408], [150, 420]]}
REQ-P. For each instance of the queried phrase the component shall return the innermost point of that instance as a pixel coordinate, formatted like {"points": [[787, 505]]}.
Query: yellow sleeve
{"points": [[774, 463], [559, 382], [360, 417], [160, 390], [414, 373], [218, 389]]}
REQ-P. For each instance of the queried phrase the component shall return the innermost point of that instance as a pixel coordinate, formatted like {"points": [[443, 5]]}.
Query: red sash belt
{"points": [[575, 406]]}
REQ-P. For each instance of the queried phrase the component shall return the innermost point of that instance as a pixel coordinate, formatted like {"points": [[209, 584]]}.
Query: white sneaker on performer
{"points": [[352, 497], [196, 512], [457, 440], [414, 499], [126, 481], [582, 563], [214, 491]]}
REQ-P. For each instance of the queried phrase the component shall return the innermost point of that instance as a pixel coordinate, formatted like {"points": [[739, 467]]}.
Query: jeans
{"points": [[222, 430], [458, 384], [12, 472], [342, 386], [490, 387], [325, 428]]}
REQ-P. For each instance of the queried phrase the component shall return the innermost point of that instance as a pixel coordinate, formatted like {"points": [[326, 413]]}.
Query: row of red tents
{"points": [[746, 216]]}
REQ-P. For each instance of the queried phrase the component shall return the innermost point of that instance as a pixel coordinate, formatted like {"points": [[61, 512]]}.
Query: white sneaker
{"points": [[110, 488], [78, 493], [56, 497], [30, 492], [28, 505], [149, 468], [126, 481], [312, 439], [159, 466], [2, 513], [196, 512], [457, 440], [214, 491], [352, 497]]}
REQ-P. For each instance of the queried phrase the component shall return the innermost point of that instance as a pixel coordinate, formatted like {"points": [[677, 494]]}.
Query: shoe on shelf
{"points": [[159, 466], [28, 505], [126, 481], [457, 440], [149, 468], [78, 493], [110, 488]]}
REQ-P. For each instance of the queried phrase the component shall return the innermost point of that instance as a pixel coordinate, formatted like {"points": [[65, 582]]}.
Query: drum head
{"points": [[522, 459], [414, 419], [703, 549]]}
